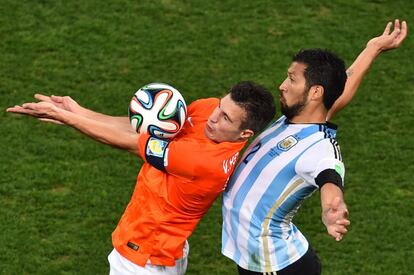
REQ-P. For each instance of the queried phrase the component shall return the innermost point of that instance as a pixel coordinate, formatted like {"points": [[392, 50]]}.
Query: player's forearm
{"points": [[103, 131], [356, 73], [117, 121], [358, 70]]}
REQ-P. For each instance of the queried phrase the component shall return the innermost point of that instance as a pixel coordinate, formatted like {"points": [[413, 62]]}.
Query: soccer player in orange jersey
{"points": [[174, 190]]}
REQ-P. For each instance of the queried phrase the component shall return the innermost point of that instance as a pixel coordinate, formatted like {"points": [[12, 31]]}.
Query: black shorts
{"points": [[308, 264]]}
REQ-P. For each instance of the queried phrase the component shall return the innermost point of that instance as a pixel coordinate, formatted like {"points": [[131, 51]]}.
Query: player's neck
{"points": [[310, 116]]}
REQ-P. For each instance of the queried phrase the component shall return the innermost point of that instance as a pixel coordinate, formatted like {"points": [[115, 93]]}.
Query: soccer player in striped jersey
{"points": [[295, 156]]}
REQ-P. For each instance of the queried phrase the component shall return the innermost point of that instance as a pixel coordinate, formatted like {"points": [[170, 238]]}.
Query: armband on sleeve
{"points": [[331, 176], [155, 152]]}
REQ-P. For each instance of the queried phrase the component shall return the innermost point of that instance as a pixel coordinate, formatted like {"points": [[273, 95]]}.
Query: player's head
{"points": [[247, 109], [315, 75]]}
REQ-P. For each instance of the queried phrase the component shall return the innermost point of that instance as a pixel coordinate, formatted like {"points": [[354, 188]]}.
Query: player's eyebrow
{"points": [[291, 73], [225, 112]]}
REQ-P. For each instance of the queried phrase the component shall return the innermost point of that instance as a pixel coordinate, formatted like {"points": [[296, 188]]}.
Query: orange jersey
{"points": [[169, 201]]}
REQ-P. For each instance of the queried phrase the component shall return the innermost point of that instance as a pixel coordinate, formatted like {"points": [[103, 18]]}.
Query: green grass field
{"points": [[61, 195]]}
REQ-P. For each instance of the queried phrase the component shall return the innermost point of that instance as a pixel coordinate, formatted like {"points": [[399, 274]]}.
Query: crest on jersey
{"points": [[156, 147], [287, 143]]}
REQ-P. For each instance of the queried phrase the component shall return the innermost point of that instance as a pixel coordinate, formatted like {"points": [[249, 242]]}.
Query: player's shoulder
{"points": [[326, 149], [201, 158], [324, 154], [326, 146], [219, 159], [203, 104]]}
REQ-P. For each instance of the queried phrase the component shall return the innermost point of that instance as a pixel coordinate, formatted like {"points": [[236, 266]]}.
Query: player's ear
{"points": [[246, 133], [316, 92]]}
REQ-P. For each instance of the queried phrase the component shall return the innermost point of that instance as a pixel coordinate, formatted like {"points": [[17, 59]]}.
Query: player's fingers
{"points": [[403, 33], [397, 28], [29, 105], [41, 97], [58, 99], [14, 109], [404, 27], [343, 222], [339, 235], [336, 235], [51, 121], [397, 25], [341, 230], [387, 28], [339, 238], [20, 110]]}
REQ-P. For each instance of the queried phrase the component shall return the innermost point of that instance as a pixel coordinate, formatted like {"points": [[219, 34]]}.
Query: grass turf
{"points": [[61, 195]]}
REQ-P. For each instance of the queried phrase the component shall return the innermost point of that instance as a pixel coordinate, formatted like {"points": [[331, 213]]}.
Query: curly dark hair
{"points": [[258, 103]]}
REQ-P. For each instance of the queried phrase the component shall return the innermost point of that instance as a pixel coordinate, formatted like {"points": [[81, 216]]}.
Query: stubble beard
{"points": [[291, 111]]}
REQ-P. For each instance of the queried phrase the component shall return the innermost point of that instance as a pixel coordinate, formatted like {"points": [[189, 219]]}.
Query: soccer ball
{"points": [[157, 109]]}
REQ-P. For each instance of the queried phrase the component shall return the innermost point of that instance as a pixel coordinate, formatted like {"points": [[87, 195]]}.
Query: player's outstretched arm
{"points": [[103, 132], [334, 211], [69, 104], [387, 41]]}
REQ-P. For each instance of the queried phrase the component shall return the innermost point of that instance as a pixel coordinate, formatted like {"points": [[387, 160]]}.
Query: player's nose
{"points": [[214, 116], [283, 85]]}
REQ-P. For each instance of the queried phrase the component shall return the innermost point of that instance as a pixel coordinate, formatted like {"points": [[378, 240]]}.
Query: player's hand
{"points": [[335, 219], [45, 111], [63, 102], [390, 39]]}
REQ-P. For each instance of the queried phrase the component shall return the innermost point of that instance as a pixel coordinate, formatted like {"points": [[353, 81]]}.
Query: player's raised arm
{"points": [[69, 104], [106, 133], [387, 41]]}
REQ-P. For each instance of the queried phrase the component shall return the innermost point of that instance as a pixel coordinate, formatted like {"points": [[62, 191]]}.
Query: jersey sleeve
{"points": [[153, 150], [185, 158], [322, 163]]}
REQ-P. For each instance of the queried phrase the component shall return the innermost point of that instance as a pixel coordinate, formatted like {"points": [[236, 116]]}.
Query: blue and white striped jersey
{"points": [[276, 173]]}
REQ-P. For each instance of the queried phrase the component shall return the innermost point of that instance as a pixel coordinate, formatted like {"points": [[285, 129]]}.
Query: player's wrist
{"points": [[63, 116], [374, 48], [81, 110]]}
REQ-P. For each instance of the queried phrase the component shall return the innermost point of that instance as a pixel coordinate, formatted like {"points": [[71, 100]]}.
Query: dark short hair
{"points": [[258, 103], [326, 69]]}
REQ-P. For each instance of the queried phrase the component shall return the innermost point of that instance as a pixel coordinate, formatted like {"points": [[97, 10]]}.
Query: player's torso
{"points": [[269, 170], [166, 202], [264, 194]]}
